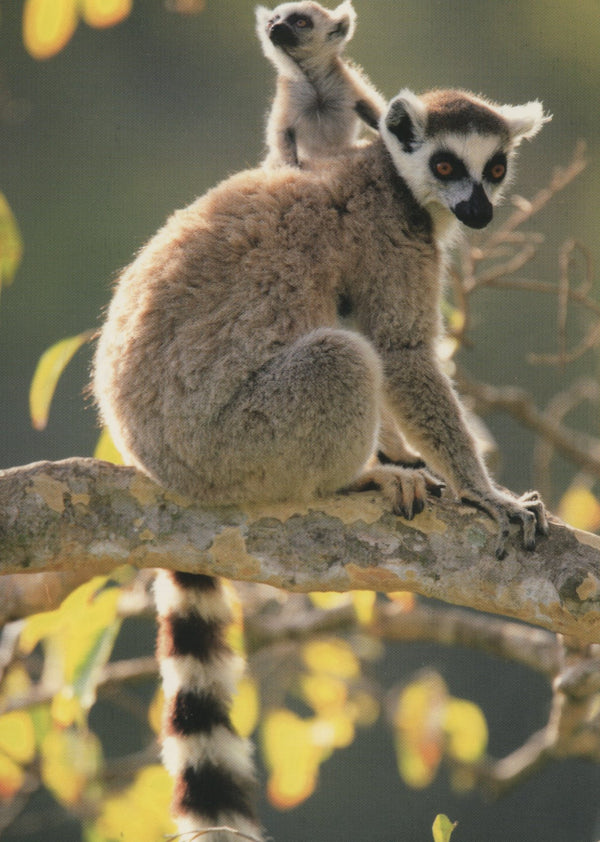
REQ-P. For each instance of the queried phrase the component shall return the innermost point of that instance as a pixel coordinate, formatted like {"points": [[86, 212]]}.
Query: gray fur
{"points": [[222, 371]]}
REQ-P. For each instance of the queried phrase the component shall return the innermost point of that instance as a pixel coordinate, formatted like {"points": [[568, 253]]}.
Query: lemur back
{"points": [[320, 99], [223, 371]]}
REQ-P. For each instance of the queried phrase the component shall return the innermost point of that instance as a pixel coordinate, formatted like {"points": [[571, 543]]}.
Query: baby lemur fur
{"points": [[320, 98]]}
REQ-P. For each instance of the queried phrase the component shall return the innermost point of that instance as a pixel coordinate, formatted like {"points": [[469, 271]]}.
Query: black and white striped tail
{"points": [[211, 765]]}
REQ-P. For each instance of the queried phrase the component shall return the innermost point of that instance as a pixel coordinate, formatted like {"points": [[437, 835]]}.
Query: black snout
{"points": [[282, 34], [477, 211]]}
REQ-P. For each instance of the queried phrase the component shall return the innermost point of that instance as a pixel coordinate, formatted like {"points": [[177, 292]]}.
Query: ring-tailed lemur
{"points": [[320, 98], [222, 372]]}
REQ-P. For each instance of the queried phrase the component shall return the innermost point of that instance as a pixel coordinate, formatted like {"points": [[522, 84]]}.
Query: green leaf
{"points": [[11, 245], [51, 365], [442, 828]]}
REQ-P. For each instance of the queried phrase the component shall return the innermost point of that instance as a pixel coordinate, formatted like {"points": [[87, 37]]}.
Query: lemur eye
{"points": [[301, 23], [495, 169], [444, 169]]}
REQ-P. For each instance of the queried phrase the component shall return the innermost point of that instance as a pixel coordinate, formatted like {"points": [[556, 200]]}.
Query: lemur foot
{"points": [[405, 488], [504, 508]]}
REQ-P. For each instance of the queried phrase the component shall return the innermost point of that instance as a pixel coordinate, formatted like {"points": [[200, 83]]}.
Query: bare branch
{"points": [[82, 514]]}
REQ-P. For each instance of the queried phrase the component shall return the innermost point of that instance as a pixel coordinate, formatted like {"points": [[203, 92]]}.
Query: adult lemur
{"points": [[222, 371], [319, 97]]}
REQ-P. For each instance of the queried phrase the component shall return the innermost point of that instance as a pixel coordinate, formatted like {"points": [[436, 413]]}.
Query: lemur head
{"points": [[304, 30], [455, 149]]}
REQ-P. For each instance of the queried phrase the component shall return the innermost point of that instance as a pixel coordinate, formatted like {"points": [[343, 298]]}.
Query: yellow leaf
{"points": [[106, 449], [466, 730], [366, 708], [141, 812], [66, 708], [70, 760], [323, 692], [288, 787], [102, 13], [245, 707], [12, 777], [291, 756], [442, 828], [364, 603], [405, 599], [17, 736], [155, 711], [331, 656], [419, 736], [580, 508], [11, 245], [329, 599], [336, 730], [48, 26], [47, 373]]}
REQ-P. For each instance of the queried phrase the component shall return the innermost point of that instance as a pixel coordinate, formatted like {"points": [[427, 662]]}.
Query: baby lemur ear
{"points": [[406, 118], [524, 121], [344, 22]]}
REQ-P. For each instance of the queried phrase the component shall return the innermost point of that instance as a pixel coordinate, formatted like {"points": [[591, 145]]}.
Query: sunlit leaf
{"points": [[364, 604], [11, 777], [418, 722], [329, 599], [47, 373], [323, 692], [466, 730], [66, 708], [70, 759], [106, 448], [102, 13], [79, 637], [291, 756], [245, 707], [141, 812], [11, 245], [336, 730], [580, 508], [331, 656], [155, 711], [405, 599], [17, 736], [442, 828], [48, 26]]}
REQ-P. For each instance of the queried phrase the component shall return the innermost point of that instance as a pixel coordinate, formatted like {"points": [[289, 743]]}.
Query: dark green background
{"points": [[126, 124]]}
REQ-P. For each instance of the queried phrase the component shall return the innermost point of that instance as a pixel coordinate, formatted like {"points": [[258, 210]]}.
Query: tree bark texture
{"points": [[86, 517]]}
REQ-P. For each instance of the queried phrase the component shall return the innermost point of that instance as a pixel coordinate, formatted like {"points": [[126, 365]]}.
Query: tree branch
{"points": [[88, 516]]}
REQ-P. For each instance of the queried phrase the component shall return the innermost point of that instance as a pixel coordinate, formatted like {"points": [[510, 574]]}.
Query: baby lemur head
{"points": [[455, 149], [304, 30]]}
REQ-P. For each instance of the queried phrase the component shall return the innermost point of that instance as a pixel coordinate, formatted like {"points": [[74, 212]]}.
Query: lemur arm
{"points": [[423, 400]]}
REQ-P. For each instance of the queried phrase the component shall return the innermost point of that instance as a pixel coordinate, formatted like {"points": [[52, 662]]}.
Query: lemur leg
{"points": [[308, 421]]}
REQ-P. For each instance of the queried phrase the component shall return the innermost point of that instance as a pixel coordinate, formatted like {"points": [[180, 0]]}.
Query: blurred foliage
{"points": [[11, 244], [48, 25]]}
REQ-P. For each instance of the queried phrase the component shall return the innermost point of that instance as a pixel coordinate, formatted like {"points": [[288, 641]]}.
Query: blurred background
{"points": [[99, 143]]}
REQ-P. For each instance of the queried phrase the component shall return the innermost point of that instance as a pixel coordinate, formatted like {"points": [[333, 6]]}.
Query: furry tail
{"points": [[211, 765]]}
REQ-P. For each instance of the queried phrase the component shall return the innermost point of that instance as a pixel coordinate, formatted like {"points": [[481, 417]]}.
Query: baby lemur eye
{"points": [[495, 169], [300, 21], [447, 167]]}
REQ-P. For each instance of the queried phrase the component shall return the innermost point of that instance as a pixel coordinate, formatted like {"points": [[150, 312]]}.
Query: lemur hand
{"points": [[505, 508]]}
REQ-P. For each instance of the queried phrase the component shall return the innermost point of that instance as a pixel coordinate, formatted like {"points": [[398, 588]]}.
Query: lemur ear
{"points": [[524, 121], [406, 118], [345, 21]]}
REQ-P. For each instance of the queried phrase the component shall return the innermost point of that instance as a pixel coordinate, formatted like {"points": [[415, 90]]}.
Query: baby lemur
{"points": [[222, 371], [320, 98]]}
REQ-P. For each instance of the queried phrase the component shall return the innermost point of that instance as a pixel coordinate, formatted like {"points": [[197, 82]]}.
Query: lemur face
{"points": [[306, 28], [455, 150]]}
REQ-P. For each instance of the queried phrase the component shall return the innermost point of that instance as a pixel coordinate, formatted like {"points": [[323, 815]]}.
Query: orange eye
{"points": [[497, 172], [444, 168], [301, 22]]}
